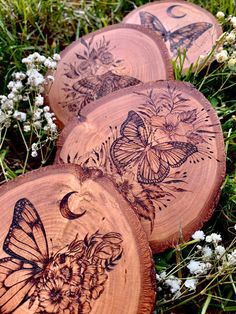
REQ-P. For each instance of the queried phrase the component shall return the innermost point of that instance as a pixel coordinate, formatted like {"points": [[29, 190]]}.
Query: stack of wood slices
{"points": [[133, 160]]}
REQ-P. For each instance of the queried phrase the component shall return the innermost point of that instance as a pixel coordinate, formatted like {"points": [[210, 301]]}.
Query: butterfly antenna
{"points": [[52, 254]]}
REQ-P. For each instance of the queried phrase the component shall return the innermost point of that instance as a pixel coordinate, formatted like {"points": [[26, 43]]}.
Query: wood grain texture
{"points": [[161, 143], [181, 24], [104, 61], [54, 262]]}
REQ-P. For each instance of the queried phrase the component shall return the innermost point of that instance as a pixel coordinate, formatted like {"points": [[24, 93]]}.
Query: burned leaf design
{"points": [[188, 116], [68, 281]]}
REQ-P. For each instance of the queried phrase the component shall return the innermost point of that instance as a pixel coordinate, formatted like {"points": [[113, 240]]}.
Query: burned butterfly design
{"points": [[135, 148], [147, 153], [182, 38], [95, 74], [68, 281]]}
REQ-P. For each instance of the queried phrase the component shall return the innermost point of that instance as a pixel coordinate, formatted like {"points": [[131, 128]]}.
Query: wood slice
{"points": [[161, 143], [107, 60], [71, 244], [182, 25]]}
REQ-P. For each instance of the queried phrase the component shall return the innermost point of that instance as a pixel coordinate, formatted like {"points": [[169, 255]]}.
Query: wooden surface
{"points": [[163, 146], [71, 244], [107, 60], [181, 24]]}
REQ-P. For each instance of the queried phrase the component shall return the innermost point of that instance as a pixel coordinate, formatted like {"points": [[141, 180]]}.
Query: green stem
{"points": [[206, 304]]}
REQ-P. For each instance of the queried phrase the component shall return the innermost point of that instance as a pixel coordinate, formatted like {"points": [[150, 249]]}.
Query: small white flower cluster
{"points": [[205, 259], [28, 87], [226, 53]]}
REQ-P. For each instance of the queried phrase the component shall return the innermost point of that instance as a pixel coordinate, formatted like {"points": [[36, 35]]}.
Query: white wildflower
{"points": [[220, 15], [37, 58], [198, 235], [46, 128], [11, 96], [50, 63], [213, 238], [191, 284], [206, 252], [56, 57], [231, 63], [173, 283], [20, 116], [163, 275], [39, 100], [233, 21], [37, 114], [37, 124], [230, 38], [198, 268], [48, 115], [219, 251], [46, 108], [34, 146], [10, 84], [234, 227], [221, 56], [19, 76], [7, 104], [232, 258], [34, 78], [18, 85], [28, 60], [26, 127], [3, 117], [34, 153], [53, 127]]}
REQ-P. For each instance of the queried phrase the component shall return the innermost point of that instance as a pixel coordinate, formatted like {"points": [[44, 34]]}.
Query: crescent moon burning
{"points": [[170, 9], [65, 210]]}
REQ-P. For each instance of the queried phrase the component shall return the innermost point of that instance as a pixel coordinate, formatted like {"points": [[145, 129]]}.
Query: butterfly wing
{"points": [[185, 36], [176, 153], [26, 239], [26, 243], [127, 149], [150, 21], [17, 283], [152, 169]]}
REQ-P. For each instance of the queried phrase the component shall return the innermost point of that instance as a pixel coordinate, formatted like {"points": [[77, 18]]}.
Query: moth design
{"points": [[64, 282], [95, 74], [181, 38]]}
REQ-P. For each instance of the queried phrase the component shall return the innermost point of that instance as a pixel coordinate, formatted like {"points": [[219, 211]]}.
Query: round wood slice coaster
{"points": [[102, 62], [70, 243], [182, 25], [161, 143]]}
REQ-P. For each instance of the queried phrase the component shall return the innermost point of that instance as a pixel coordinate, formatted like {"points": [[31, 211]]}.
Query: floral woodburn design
{"points": [[65, 282], [147, 155], [94, 74]]}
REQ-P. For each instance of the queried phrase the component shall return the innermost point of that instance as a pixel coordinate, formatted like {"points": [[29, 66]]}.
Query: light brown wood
{"points": [[182, 25], [107, 60], [163, 146], [69, 243]]}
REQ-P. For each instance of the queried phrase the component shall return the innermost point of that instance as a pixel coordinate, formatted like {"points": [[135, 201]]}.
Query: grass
{"points": [[47, 26]]}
